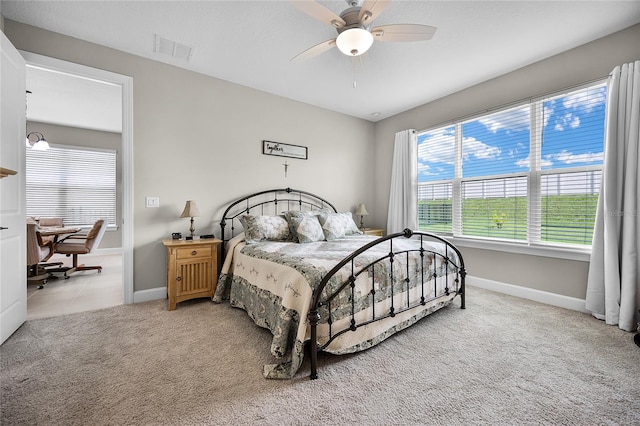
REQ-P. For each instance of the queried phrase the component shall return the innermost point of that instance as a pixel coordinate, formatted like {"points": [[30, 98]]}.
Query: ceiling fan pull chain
{"points": [[353, 64]]}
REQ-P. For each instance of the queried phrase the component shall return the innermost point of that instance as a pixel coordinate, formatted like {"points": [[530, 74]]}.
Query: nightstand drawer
{"points": [[191, 252]]}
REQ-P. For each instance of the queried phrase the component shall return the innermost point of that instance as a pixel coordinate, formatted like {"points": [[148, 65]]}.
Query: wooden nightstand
{"points": [[373, 231], [192, 269]]}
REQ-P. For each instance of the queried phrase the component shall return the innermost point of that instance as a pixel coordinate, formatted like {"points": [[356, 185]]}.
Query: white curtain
{"points": [[403, 196], [613, 287]]}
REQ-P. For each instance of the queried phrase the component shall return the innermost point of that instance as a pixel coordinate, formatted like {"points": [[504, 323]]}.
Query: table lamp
{"points": [[191, 211], [362, 211]]}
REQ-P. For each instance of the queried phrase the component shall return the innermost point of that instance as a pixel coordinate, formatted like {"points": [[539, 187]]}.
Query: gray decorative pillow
{"points": [[269, 228], [337, 225], [305, 225]]}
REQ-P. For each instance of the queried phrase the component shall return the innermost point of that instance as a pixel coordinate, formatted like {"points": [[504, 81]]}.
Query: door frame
{"points": [[126, 82]]}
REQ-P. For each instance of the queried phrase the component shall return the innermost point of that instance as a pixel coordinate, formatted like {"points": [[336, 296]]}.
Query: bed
{"points": [[334, 290]]}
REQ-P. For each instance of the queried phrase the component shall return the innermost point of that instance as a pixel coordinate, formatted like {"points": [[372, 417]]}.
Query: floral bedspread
{"points": [[274, 283]]}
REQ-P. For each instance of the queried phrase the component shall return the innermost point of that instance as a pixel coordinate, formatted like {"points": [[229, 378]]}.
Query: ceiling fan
{"points": [[355, 35]]}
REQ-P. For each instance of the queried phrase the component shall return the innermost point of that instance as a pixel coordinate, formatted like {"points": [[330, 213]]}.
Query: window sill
{"points": [[568, 253]]}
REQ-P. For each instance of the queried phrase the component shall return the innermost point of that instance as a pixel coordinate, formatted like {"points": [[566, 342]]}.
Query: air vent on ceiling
{"points": [[172, 48]]}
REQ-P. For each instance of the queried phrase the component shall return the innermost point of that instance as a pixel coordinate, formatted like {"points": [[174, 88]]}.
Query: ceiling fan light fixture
{"points": [[354, 41]]}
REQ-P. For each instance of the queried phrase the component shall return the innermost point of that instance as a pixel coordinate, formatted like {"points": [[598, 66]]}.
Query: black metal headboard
{"points": [[273, 202]]}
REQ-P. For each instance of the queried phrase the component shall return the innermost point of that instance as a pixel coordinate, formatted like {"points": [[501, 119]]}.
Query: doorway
{"points": [[124, 253]]}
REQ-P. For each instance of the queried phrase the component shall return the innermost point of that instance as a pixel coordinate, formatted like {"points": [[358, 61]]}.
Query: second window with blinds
{"points": [[75, 183], [530, 173]]}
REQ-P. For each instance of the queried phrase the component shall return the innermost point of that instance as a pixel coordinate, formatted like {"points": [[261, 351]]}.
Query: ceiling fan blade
{"points": [[370, 10], [403, 32], [315, 50], [319, 12]]}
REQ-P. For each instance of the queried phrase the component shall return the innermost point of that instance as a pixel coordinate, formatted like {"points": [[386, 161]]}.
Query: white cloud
{"points": [[567, 157], [585, 100], [524, 163], [575, 122], [472, 146], [581, 102], [515, 151], [438, 147], [513, 119], [548, 111], [425, 169], [569, 120]]}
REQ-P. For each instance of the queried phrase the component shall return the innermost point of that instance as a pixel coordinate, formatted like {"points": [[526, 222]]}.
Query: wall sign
{"points": [[284, 150]]}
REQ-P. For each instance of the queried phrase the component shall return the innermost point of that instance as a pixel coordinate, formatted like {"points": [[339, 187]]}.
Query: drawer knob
{"points": [[193, 253], [178, 278]]}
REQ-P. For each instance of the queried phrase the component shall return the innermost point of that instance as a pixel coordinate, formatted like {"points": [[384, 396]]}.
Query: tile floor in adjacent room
{"points": [[83, 291]]}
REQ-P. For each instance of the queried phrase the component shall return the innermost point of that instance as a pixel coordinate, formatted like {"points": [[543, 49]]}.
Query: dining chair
{"points": [[38, 251], [50, 221], [77, 244]]}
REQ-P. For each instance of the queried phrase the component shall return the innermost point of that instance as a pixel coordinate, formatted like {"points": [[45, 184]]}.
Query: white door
{"points": [[13, 251]]}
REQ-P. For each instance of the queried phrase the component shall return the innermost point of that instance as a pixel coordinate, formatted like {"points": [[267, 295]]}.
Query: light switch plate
{"points": [[153, 201]]}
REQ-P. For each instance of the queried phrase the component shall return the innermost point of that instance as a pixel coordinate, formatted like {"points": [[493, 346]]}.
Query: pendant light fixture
{"points": [[39, 142]]}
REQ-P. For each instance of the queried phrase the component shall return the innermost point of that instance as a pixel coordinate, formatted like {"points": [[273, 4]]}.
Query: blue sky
{"points": [[572, 132]]}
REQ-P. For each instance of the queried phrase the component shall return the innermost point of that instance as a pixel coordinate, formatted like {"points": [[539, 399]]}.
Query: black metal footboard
{"points": [[450, 257]]}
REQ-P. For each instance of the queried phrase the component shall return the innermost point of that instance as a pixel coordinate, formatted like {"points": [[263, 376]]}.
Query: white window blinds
{"points": [[529, 173], [75, 183], [495, 152], [436, 161], [571, 158]]}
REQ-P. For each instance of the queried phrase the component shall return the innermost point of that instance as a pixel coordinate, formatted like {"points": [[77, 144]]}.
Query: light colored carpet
{"points": [[503, 360]]}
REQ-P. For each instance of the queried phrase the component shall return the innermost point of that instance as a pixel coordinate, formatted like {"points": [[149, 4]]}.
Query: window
{"points": [[75, 183], [529, 173]]}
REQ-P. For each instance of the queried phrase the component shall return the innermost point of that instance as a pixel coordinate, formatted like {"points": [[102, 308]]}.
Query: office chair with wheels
{"points": [[38, 251], [76, 244]]}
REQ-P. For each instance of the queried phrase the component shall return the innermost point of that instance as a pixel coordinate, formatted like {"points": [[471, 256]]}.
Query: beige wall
{"points": [[585, 63], [64, 135], [197, 137]]}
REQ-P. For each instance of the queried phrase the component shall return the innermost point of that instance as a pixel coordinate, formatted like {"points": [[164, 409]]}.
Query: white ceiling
{"points": [[251, 43], [67, 100]]}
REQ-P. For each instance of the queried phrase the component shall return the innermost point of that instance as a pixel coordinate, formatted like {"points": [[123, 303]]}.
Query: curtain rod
{"points": [[514, 103]]}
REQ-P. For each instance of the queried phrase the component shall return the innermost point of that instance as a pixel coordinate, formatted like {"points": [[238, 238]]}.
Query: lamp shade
{"points": [[362, 210], [354, 41], [190, 209]]}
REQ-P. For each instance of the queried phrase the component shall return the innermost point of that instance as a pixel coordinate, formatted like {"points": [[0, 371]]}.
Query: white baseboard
{"points": [[107, 251], [529, 293], [150, 294]]}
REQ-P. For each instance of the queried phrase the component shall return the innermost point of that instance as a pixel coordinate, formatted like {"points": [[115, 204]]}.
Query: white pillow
{"points": [[305, 226], [269, 228], [337, 225]]}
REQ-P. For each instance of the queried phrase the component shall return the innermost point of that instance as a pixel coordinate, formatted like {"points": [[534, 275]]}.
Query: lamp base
{"points": [[192, 229]]}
